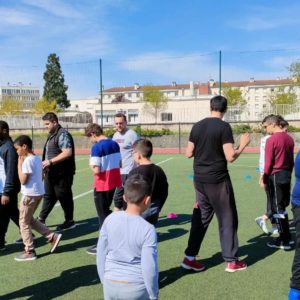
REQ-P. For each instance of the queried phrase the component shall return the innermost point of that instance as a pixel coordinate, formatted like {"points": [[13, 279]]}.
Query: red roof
{"points": [[203, 87]]}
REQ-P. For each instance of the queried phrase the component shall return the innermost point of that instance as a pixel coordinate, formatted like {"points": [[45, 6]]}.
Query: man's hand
{"points": [[261, 182], [4, 200], [46, 163], [244, 140]]}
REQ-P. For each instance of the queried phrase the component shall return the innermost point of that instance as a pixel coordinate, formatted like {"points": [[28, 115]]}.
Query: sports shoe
{"points": [[279, 244], [66, 225], [233, 266], [262, 225], [192, 265], [55, 241], [24, 256], [92, 250], [274, 231], [20, 240]]}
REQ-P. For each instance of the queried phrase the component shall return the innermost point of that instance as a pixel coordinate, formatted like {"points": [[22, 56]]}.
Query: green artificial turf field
{"points": [[70, 273]]}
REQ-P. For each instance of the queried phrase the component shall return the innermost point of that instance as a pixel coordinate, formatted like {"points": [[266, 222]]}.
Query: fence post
{"points": [[179, 138], [32, 137]]}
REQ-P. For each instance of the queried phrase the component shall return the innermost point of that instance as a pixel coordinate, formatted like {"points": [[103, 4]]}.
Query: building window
{"points": [[133, 116], [166, 116], [108, 117]]}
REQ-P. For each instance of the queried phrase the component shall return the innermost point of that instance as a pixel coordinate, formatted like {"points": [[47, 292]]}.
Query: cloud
{"points": [[10, 16], [195, 66], [56, 7], [183, 67], [91, 46], [267, 18]]}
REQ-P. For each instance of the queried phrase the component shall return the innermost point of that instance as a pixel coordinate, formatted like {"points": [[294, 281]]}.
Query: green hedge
{"points": [[142, 132]]}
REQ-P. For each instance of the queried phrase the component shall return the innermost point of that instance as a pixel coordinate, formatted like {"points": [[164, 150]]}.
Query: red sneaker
{"points": [[192, 265], [233, 266]]}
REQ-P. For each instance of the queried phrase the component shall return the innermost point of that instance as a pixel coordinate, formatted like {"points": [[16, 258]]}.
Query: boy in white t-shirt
{"points": [[30, 171]]}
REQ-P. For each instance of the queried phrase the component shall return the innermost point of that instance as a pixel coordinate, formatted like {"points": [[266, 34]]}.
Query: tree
{"points": [[43, 106], [154, 100], [11, 106], [281, 97], [55, 88], [234, 96], [294, 69]]}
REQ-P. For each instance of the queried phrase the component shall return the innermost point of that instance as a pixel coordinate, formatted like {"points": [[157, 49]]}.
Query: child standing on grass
{"points": [[127, 248], [142, 151], [32, 188], [105, 162]]}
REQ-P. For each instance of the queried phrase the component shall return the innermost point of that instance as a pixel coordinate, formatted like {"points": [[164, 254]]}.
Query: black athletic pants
{"points": [[118, 196], [215, 198], [7, 212], [58, 187], [279, 186], [103, 202]]}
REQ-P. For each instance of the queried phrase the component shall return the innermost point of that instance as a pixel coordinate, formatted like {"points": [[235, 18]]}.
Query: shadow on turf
{"points": [[68, 281], [254, 251], [171, 234], [180, 220], [83, 227]]}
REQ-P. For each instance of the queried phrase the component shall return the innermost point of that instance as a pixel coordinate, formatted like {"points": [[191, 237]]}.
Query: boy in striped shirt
{"points": [[105, 162]]}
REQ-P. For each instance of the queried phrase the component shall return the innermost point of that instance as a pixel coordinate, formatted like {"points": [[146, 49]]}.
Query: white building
{"points": [[186, 103], [27, 94]]}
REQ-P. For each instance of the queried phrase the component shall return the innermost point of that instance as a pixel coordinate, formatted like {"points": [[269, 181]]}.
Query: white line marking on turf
{"points": [[78, 196], [88, 192], [161, 162], [241, 165]]}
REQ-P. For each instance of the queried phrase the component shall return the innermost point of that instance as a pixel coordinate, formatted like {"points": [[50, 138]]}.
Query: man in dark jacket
{"points": [[9, 182], [59, 170]]}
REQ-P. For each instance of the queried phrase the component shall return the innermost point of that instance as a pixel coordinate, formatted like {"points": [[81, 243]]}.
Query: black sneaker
{"points": [[92, 250], [66, 225], [279, 244]]}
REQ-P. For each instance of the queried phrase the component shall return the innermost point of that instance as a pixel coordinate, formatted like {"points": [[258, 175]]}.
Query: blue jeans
{"points": [[114, 290]]}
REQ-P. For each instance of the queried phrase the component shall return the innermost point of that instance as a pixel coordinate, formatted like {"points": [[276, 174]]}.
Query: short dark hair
{"points": [[136, 188], [273, 119], [93, 128], [143, 147], [4, 126], [50, 116], [267, 117], [218, 103], [121, 115], [282, 122], [24, 140]]}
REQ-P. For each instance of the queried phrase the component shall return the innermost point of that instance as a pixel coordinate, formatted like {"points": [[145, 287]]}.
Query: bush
{"points": [[238, 129], [142, 132]]}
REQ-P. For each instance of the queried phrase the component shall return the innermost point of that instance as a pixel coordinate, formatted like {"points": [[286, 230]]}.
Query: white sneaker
{"points": [[262, 225], [274, 231]]}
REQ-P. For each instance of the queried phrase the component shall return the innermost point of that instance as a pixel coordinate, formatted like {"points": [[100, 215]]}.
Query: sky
{"points": [[147, 41]]}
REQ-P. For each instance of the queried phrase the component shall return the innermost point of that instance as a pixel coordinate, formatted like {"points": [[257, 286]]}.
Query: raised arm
{"points": [[231, 154]]}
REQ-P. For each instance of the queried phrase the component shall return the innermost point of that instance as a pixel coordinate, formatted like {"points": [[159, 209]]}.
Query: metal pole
{"points": [[101, 100], [179, 138], [220, 72], [32, 137]]}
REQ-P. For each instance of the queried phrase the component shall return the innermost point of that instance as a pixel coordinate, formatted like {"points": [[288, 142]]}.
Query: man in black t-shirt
{"points": [[212, 146]]}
